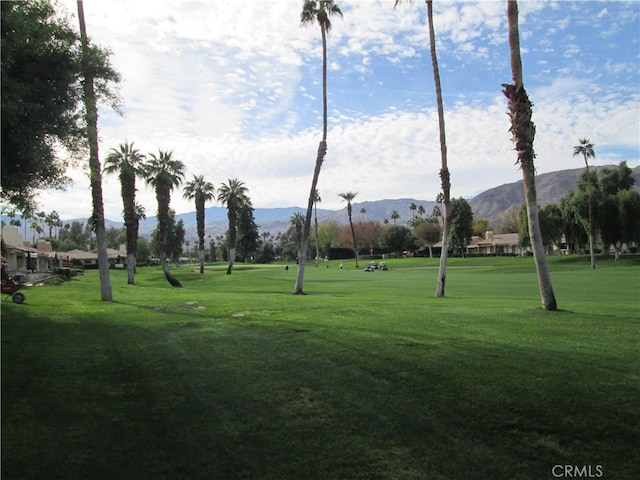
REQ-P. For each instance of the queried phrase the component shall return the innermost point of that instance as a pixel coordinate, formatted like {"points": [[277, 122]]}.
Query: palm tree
{"points": [[586, 150], [362, 212], [523, 132], [348, 197], [395, 216], [297, 222], [91, 113], [233, 194], [201, 191], [445, 177], [316, 200], [128, 163], [412, 208], [316, 11], [164, 173]]}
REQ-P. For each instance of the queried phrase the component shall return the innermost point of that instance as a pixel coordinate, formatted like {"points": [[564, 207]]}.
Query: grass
{"points": [[368, 376]]}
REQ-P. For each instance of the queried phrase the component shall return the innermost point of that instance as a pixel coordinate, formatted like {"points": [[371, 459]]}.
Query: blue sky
{"points": [[234, 89]]}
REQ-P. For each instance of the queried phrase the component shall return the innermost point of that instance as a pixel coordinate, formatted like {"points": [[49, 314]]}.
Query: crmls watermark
{"points": [[577, 471]]}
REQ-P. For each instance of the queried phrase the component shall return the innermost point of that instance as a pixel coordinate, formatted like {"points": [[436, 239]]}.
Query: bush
{"points": [[65, 272]]}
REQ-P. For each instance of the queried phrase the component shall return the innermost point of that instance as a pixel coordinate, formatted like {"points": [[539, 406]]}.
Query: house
{"points": [[89, 259], [22, 260], [495, 244]]}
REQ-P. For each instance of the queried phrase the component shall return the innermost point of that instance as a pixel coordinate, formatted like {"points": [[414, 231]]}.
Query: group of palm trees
{"points": [[164, 173]]}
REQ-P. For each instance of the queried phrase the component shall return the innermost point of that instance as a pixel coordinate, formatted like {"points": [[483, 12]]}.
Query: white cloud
{"points": [[234, 90]]}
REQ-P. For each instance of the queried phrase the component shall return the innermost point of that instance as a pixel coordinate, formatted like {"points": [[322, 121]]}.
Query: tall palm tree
{"points": [[362, 212], [316, 200], [164, 173], [201, 191], [523, 132], [91, 113], [395, 216], [233, 194], [586, 150], [445, 177], [348, 197], [128, 162], [316, 11]]}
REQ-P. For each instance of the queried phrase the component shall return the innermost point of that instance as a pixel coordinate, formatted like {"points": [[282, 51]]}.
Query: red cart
{"points": [[10, 287]]}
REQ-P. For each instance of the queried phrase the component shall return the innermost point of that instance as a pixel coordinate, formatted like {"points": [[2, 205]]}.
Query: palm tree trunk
{"points": [[523, 133], [316, 225], [353, 235], [591, 225], [131, 225], [164, 199], [94, 164], [322, 151], [232, 238], [445, 178], [131, 267], [200, 227], [302, 260]]}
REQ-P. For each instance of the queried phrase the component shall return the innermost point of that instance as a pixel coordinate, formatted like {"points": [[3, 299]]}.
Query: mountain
{"points": [[490, 204], [550, 187]]}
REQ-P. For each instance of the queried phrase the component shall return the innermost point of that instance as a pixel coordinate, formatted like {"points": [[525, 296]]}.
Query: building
{"points": [[506, 244], [23, 261]]}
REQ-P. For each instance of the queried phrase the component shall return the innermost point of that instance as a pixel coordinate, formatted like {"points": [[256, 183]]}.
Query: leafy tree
{"points": [[175, 234], [428, 232], [41, 98], [164, 173], [266, 253], [480, 226], [316, 11], [143, 251], [551, 224], [73, 235], [115, 237], [128, 163], [574, 231], [523, 133], [461, 228], [248, 234], [348, 197], [175, 238], [586, 150], [629, 205], [328, 234], [397, 239], [616, 201], [368, 235], [233, 194], [201, 191]]}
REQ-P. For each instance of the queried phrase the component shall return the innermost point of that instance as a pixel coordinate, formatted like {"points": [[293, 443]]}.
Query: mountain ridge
{"points": [[490, 204]]}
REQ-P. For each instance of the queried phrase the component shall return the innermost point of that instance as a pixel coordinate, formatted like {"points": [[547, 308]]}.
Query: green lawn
{"points": [[368, 376]]}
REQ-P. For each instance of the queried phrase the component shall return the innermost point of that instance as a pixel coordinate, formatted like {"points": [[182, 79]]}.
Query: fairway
{"points": [[367, 376]]}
